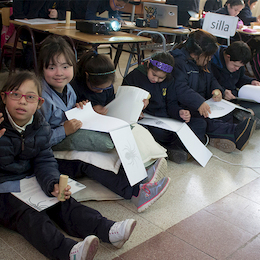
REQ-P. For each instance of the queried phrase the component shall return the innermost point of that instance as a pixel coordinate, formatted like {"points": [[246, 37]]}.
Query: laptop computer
{"points": [[165, 14]]}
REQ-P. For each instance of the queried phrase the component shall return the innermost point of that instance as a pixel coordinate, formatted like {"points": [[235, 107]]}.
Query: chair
{"points": [[223, 26]]}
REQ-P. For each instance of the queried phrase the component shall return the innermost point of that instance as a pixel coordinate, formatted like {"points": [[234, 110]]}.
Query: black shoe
{"points": [[241, 115], [243, 132], [178, 155]]}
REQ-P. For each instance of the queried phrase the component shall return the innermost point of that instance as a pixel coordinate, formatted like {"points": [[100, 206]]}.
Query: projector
{"points": [[97, 26]]}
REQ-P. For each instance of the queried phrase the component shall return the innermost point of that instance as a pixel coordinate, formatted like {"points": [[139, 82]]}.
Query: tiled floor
{"points": [[207, 213]]}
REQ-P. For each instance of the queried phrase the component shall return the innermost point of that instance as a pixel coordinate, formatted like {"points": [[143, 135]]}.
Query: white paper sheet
{"points": [[250, 92], [195, 147], [129, 154], [222, 108], [94, 121], [42, 21], [32, 194], [128, 103]]}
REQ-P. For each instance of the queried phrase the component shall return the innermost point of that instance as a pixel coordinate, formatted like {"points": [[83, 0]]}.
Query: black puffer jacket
{"points": [[28, 153]]}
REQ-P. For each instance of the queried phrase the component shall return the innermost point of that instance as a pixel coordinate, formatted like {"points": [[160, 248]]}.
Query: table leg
{"points": [[118, 54]]}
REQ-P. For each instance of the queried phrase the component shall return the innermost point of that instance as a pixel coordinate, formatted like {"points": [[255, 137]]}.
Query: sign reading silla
{"points": [[220, 25]]}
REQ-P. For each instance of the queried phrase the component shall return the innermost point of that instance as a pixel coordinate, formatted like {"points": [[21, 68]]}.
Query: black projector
{"points": [[94, 26]]}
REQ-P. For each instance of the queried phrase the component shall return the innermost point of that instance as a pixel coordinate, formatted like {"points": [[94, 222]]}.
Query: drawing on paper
{"points": [[131, 154], [39, 206]]}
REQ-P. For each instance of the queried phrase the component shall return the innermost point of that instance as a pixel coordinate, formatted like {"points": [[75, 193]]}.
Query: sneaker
{"points": [[223, 145], [243, 132], [86, 249], [156, 171], [149, 193], [177, 155], [120, 232]]}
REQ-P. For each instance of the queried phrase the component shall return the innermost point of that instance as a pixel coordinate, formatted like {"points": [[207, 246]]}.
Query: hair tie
{"points": [[162, 66], [95, 53], [102, 73]]}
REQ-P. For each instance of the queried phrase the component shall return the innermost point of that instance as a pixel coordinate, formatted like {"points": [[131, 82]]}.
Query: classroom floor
{"points": [[206, 213]]}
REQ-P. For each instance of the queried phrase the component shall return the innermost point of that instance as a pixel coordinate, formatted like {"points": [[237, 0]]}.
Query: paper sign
{"points": [[220, 25], [128, 103], [32, 194], [195, 147], [222, 108]]}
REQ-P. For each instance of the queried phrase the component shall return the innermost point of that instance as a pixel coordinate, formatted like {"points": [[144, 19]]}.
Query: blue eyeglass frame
{"points": [[111, 86]]}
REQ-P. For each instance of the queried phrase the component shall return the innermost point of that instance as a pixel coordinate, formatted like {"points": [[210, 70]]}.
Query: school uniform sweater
{"points": [[228, 80], [212, 5], [246, 15], [39, 9], [163, 101], [193, 85], [28, 153], [88, 9]]}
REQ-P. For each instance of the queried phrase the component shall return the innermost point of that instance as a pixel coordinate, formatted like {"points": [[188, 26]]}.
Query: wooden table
{"points": [[95, 40]]}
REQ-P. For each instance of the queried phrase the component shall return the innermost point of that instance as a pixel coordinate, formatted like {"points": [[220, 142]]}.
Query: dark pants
{"points": [[214, 128], [39, 230], [117, 183]]}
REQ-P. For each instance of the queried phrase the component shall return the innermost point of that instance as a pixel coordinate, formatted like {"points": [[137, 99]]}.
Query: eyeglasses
{"points": [[118, 6], [17, 96], [95, 88]]}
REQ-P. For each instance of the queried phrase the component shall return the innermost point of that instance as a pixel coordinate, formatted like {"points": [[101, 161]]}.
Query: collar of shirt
{"points": [[14, 125]]}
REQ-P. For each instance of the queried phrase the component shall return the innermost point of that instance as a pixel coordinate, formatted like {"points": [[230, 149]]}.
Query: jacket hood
{"points": [[180, 53], [216, 59], [143, 68]]}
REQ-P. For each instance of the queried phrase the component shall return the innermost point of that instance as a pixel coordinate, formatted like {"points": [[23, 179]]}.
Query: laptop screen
{"points": [[165, 14]]}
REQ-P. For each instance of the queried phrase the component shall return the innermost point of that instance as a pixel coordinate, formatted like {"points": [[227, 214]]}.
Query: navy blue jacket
{"points": [[83, 92], [39, 8], [28, 153], [246, 15], [87, 9], [193, 85], [212, 5], [163, 101], [228, 80]]}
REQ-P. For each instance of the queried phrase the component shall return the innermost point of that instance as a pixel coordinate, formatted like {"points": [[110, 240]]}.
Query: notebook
{"points": [[165, 14]]}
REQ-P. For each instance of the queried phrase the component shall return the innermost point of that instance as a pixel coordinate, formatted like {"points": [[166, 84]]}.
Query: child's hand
{"points": [[81, 104], [185, 115], [67, 192], [228, 95], [53, 13], [2, 131], [255, 83], [71, 126], [217, 95], [146, 103], [100, 109], [204, 110]]}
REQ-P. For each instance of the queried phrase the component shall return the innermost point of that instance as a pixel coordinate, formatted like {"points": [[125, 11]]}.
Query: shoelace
{"points": [[145, 187]]}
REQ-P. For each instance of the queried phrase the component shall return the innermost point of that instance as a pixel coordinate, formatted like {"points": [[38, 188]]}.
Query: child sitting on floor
{"points": [[24, 151], [56, 66]]}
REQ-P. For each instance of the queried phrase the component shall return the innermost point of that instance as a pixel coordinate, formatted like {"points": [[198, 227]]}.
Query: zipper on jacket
{"points": [[22, 136]]}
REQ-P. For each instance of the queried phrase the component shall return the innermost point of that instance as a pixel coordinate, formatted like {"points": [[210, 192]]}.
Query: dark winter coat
{"points": [[28, 153]]}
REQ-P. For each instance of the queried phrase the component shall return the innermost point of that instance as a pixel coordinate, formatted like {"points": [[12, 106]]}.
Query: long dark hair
{"points": [[234, 2]]}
